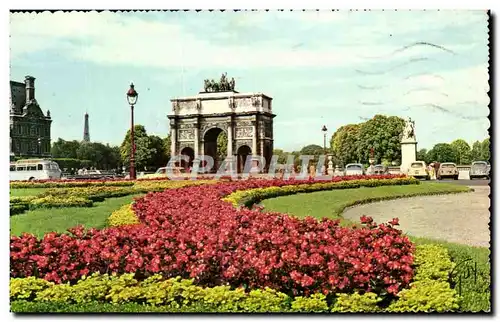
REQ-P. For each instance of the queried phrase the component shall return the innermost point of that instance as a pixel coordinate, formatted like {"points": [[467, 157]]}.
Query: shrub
{"points": [[426, 296], [123, 216], [433, 263], [366, 303], [315, 303], [58, 202]]}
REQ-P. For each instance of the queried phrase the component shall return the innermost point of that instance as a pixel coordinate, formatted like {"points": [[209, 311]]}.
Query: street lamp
{"points": [[132, 99], [324, 129]]}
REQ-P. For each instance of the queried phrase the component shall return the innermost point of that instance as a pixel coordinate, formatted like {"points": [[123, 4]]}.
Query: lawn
{"points": [[26, 192], [472, 278], [41, 221], [331, 203]]}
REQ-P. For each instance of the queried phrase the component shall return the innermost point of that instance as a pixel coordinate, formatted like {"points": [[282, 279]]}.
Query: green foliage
{"points": [[75, 154], [481, 151], [426, 296], [383, 134], [160, 157], [222, 146], [123, 216], [27, 288], [433, 263], [422, 155], [312, 149], [471, 277], [144, 149], [315, 303], [442, 152], [344, 144], [462, 151], [366, 303]]}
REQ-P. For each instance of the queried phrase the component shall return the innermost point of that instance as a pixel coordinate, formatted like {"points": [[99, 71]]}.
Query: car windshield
{"points": [[417, 165], [161, 170], [354, 167], [480, 164], [448, 165]]}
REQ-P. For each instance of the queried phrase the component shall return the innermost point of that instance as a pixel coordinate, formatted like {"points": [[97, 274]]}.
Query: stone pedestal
{"points": [[330, 170], [408, 154]]}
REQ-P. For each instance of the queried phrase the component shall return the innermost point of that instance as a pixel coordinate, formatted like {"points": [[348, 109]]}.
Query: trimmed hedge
{"points": [[429, 292]]}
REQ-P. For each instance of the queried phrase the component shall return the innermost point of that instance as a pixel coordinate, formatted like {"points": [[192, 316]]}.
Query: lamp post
{"points": [[324, 129], [132, 99]]}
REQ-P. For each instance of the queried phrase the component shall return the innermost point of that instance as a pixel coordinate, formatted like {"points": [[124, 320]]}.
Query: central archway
{"points": [[215, 146]]}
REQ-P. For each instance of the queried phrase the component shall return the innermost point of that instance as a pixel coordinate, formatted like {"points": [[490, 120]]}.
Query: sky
{"points": [[320, 68]]}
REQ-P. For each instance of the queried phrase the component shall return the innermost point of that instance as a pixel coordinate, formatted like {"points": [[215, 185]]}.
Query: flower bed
{"points": [[190, 232], [430, 292]]}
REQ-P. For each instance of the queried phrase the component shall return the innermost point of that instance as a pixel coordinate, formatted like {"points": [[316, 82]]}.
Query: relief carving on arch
{"points": [[186, 134], [244, 132]]}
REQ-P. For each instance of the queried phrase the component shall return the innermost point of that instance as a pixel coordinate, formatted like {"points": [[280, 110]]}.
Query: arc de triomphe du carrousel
{"points": [[246, 118]]}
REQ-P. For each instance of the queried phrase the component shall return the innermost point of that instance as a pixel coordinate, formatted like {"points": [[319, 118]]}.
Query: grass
{"points": [[331, 203], [26, 192], [41, 221], [472, 274]]}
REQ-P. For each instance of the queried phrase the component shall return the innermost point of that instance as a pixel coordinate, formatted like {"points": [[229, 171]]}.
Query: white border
{"points": [[198, 4]]}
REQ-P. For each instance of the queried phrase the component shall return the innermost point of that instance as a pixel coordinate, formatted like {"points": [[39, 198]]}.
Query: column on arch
{"points": [[173, 137]]}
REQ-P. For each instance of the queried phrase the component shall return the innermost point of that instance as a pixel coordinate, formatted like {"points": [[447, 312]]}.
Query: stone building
{"points": [[29, 126]]}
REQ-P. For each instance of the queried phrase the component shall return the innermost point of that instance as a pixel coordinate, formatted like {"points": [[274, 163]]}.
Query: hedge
{"points": [[111, 293]]}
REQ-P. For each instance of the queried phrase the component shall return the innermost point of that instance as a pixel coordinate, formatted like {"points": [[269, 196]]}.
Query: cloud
{"points": [[123, 39]]}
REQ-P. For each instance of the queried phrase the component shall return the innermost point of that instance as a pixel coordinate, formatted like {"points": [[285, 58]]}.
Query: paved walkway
{"points": [[461, 218]]}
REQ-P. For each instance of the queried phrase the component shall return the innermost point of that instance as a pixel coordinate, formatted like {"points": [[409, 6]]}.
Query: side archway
{"points": [[189, 152], [243, 152]]}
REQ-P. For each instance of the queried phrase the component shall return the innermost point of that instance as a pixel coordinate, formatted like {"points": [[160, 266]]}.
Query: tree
{"points": [[159, 157], [422, 156], [486, 150], [167, 145], [222, 146], [383, 134], [462, 151], [344, 144], [312, 149], [442, 152], [144, 151], [282, 155], [476, 152]]}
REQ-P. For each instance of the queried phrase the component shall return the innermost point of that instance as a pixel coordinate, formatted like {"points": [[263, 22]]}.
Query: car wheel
{"points": [[31, 179], [456, 178]]}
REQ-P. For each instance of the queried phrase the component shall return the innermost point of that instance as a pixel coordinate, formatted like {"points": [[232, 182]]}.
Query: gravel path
{"points": [[462, 218]]}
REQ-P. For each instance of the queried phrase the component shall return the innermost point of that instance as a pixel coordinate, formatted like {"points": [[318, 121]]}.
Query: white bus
{"points": [[34, 169]]}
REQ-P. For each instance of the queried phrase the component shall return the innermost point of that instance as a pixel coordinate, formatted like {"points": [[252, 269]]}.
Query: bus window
{"points": [[32, 168], [40, 167], [12, 168], [21, 168]]}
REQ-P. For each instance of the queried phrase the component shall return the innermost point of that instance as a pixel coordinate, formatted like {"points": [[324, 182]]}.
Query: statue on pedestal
{"points": [[409, 130]]}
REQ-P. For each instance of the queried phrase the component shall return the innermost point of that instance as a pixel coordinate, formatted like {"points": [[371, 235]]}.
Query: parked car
{"points": [[380, 169], [448, 170], [354, 169], [418, 169], [479, 169]]}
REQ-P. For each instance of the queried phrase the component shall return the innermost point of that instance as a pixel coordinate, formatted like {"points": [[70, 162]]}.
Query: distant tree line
{"points": [[458, 151]]}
